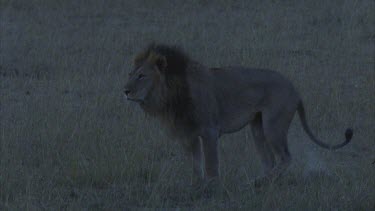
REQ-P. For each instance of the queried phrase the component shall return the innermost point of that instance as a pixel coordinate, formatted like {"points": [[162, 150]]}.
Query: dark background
{"points": [[69, 140]]}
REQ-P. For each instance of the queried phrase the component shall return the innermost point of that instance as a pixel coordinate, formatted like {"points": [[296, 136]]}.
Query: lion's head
{"points": [[145, 79], [158, 80]]}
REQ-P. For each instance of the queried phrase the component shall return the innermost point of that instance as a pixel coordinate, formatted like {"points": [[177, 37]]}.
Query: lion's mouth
{"points": [[135, 100]]}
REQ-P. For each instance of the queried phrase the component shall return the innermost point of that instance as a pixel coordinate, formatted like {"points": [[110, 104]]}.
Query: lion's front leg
{"points": [[210, 149], [196, 158], [211, 184]]}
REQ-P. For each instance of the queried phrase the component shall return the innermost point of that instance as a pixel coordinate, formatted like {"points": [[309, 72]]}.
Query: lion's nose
{"points": [[127, 91]]}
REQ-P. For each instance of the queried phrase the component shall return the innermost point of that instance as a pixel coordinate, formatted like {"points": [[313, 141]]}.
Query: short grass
{"points": [[69, 140]]}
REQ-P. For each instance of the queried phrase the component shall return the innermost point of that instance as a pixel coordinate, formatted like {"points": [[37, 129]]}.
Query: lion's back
{"points": [[241, 81]]}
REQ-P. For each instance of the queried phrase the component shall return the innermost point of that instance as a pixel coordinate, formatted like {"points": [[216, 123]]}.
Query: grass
{"points": [[68, 139]]}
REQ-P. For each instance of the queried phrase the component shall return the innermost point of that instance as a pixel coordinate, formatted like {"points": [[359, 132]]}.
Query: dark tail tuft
{"points": [[348, 134], [302, 115]]}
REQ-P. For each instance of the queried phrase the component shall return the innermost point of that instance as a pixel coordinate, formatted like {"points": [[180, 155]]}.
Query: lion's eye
{"points": [[140, 76]]}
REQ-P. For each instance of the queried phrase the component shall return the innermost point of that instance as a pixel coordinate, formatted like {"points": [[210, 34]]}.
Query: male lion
{"points": [[199, 104]]}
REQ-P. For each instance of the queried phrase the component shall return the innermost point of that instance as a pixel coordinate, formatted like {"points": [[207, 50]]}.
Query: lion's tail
{"points": [[302, 115]]}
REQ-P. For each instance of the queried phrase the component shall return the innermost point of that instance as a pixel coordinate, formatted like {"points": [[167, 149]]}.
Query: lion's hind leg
{"points": [[276, 125], [263, 148]]}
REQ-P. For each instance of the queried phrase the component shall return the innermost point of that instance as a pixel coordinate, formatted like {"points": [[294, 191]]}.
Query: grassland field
{"points": [[70, 141]]}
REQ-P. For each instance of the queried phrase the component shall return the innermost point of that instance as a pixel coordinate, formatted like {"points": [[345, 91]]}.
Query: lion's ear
{"points": [[139, 59], [159, 60], [161, 63]]}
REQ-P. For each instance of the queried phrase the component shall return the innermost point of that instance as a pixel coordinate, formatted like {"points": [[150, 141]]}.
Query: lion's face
{"points": [[141, 83]]}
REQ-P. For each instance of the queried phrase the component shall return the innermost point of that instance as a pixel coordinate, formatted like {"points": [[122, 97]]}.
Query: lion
{"points": [[199, 104]]}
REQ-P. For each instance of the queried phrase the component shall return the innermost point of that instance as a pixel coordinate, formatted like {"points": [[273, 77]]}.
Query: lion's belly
{"points": [[231, 122]]}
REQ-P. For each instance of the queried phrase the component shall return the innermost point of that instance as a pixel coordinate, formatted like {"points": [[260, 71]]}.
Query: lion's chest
{"points": [[178, 127]]}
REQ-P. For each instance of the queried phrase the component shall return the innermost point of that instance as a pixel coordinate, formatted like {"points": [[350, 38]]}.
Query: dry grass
{"points": [[68, 140]]}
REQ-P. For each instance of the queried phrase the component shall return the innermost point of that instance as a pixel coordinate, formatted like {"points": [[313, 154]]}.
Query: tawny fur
{"points": [[199, 104]]}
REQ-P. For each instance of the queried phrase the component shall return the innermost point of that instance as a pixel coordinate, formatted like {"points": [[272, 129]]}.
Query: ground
{"points": [[69, 140]]}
